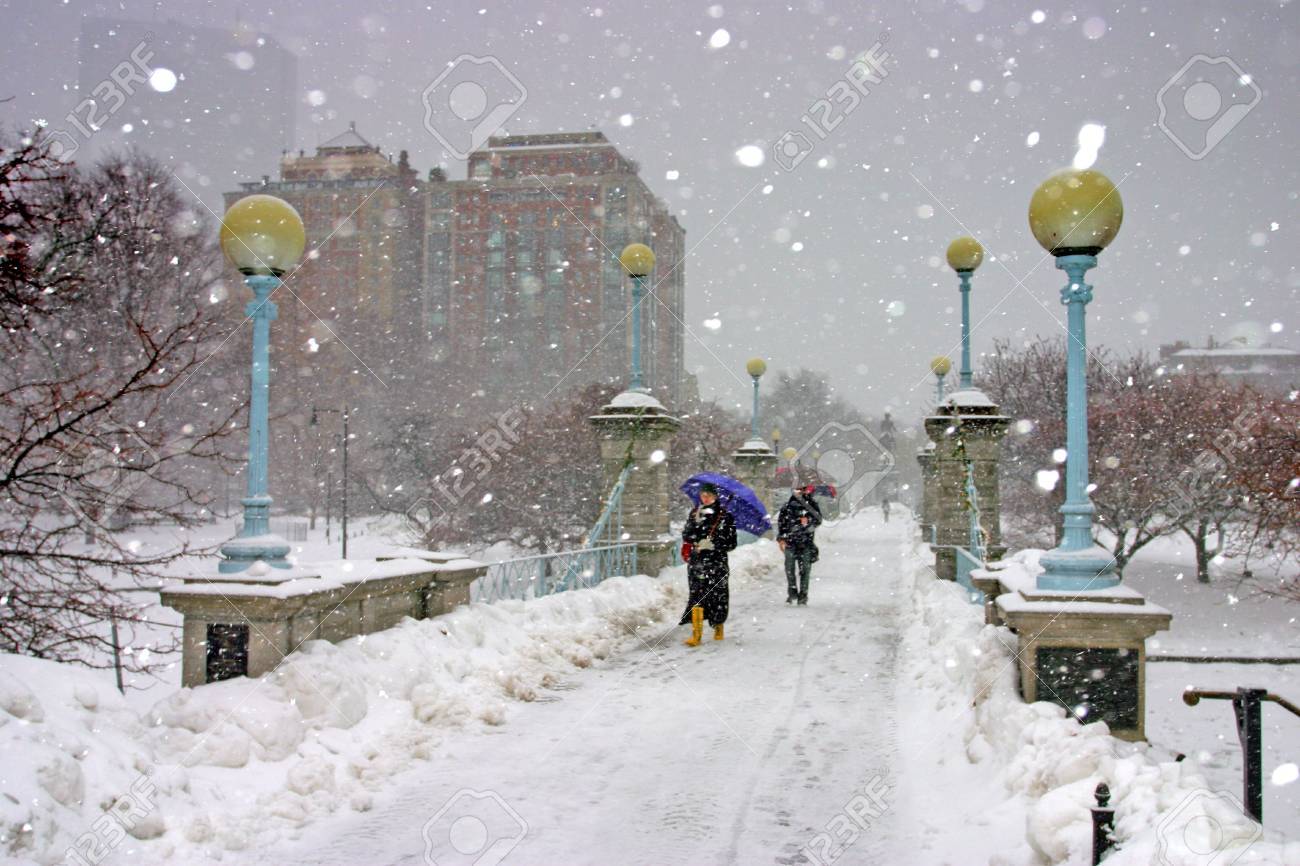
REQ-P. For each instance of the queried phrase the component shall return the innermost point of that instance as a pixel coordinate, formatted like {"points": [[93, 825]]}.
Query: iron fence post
{"points": [[1245, 705], [1103, 824]]}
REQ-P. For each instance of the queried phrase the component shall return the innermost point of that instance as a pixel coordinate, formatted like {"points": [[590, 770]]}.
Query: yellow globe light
{"points": [[965, 254], [789, 454], [776, 433], [637, 259], [755, 367], [262, 234], [1075, 212], [940, 366]]}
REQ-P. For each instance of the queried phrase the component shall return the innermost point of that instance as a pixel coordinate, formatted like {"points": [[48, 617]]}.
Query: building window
{"points": [[496, 258]]}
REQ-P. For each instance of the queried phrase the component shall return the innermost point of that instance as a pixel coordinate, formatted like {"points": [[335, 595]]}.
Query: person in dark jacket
{"points": [[711, 533], [796, 526]]}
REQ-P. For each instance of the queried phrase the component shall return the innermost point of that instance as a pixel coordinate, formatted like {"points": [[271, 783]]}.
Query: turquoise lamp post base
{"points": [[1077, 570], [255, 540], [239, 553]]}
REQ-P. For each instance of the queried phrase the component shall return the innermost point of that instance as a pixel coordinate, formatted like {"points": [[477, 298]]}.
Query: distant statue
{"points": [[887, 431]]}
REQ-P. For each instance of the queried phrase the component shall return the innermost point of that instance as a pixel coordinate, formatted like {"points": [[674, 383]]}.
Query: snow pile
{"points": [[232, 765], [1039, 762]]}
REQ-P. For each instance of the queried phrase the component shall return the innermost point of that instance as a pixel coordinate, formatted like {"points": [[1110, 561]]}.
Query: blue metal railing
{"points": [[604, 553], [548, 573], [966, 563], [969, 560]]}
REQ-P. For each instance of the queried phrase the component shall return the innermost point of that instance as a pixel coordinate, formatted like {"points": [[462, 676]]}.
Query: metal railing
{"points": [[1246, 707], [969, 560], [604, 553], [290, 530], [546, 574], [966, 563]]}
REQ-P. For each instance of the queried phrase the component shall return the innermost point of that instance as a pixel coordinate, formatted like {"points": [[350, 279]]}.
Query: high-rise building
{"points": [[522, 279], [505, 285]]}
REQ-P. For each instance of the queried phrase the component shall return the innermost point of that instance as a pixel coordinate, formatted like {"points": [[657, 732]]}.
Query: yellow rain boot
{"points": [[697, 626], [717, 632]]}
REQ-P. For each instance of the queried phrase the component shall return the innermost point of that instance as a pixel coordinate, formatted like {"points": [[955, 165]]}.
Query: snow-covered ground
{"points": [[878, 725]]}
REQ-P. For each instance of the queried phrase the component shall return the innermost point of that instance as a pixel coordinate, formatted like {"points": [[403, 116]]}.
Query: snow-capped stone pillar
{"points": [[966, 427], [635, 429], [756, 469]]}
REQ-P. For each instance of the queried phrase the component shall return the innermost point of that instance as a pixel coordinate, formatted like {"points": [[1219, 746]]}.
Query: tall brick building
{"points": [[522, 277], [505, 284]]}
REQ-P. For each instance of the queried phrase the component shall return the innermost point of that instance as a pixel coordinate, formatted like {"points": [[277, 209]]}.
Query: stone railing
{"points": [[244, 624]]}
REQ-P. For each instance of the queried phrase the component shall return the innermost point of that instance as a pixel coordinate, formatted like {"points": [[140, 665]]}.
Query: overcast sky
{"points": [[838, 264]]}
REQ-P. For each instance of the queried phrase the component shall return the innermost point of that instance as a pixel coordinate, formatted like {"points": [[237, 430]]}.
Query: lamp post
{"points": [[263, 237], [1074, 215], [965, 255], [776, 440], [638, 261], [755, 367], [315, 410], [939, 366]]}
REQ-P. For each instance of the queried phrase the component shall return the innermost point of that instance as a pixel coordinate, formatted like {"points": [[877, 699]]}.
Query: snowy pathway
{"points": [[737, 752]]}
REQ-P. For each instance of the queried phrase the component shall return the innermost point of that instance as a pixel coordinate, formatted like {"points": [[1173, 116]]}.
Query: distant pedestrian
{"points": [[796, 528], [710, 533]]}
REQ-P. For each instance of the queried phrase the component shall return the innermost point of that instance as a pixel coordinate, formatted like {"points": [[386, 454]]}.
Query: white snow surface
{"points": [[635, 400], [580, 730]]}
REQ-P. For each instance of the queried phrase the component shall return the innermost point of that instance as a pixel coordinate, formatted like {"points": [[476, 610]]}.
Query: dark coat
{"points": [[789, 527], [709, 521], [707, 570]]}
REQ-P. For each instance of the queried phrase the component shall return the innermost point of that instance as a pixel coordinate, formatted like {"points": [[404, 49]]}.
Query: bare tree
{"points": [[1124, 434], [105, 294], [528, 476]]}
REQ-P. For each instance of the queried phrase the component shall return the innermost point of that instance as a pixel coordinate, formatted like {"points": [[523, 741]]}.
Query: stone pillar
{"points": [[966, 426], [925, 457], [635, 427], [1085, 651], [756, 469]]}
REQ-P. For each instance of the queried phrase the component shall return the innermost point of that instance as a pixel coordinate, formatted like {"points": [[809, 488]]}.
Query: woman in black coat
{"points": [[711, 533]]}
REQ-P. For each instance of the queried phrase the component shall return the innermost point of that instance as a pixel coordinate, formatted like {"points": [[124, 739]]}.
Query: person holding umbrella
{"points": [[707, 538], [796, 525]]}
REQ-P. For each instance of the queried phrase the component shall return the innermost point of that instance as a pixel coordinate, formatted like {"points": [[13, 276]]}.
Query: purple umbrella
{"points": [[736, 499]]}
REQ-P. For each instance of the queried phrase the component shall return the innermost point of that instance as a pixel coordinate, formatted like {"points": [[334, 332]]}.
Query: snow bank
{"points": [[230, 766], [1044, 765]]}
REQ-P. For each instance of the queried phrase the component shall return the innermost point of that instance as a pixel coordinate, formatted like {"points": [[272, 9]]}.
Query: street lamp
{"points": [[939, 366], [965, 255], [1074, 215], [755, 367], [263, 237], [638, 261], [314, 421], [776, 439]]}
